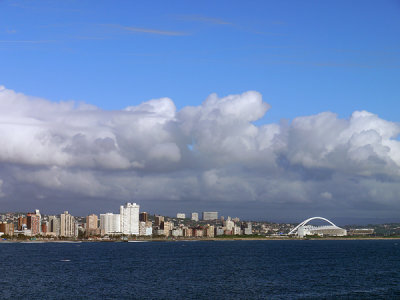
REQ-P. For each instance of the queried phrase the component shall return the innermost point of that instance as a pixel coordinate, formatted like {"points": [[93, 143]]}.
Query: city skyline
{"points": [[130, 222], [264, 110], [36, 225]]}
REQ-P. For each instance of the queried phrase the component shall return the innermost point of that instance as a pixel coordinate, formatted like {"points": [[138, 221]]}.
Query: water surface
{"points": [[366, 269]]}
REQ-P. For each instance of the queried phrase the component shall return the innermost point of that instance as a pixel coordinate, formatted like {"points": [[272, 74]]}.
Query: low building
{"points": [[209, 231], [142, 228], [177, 232], [145, 229], [187, 232], [361, 231], [24, 231], [198, 232], [219, 231], [159, 232]]}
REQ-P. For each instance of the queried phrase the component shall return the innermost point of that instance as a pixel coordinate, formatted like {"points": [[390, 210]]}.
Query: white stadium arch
{"points": [[303, 229]]}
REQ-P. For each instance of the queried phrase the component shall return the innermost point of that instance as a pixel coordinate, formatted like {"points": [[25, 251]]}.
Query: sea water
{"points": [[304, 269]]}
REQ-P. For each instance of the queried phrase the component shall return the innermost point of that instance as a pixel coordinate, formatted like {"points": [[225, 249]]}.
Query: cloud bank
{"points": [[65, 155]]}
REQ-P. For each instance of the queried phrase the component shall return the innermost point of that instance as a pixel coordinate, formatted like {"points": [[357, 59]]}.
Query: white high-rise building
{"points": [[210, 215], [68, 228], [37, 212], [53, 227], [229, 224], [180, 216], [110, 223], [130, 218], [195, 216]]}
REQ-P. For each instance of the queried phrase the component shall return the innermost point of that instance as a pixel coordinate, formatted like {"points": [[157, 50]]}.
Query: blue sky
{"points": [[304, 57], [288, 162]]}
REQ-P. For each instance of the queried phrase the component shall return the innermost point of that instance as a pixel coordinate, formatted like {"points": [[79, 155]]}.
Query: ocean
{"points": [[303, 269]]}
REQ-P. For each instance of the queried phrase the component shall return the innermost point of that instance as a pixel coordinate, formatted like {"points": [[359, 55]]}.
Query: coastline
{"points": [[199, 240]]}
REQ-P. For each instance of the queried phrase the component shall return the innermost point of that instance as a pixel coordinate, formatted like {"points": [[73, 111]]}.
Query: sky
{"points": [[267, 110]]}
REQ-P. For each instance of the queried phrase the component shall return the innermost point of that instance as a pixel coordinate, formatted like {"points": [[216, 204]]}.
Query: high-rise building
{"points": [[229, 224], [210, 215], [195, 216], [143, 217], [6, 228], [43, 228], [53, 227], [33, 223], [22, 222], [167, 227], [68, 228], [236, 230], [92, 225], [130, 218], [180, 215], [247, 228], [158, 220], [37, 212], [110, 223]]}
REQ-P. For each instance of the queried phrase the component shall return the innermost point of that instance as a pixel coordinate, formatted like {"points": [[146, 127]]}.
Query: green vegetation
{"points": [[250, 236], [22, 237]]}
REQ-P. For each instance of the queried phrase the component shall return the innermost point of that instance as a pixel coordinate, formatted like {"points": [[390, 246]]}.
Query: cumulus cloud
{"points": [[199, 156]]}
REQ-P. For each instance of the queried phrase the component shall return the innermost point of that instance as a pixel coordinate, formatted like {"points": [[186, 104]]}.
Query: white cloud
{"points": [[141, 152], [155, 31]]}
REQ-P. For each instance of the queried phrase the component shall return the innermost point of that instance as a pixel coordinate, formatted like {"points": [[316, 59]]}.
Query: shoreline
{"points": [[200, 240]]}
